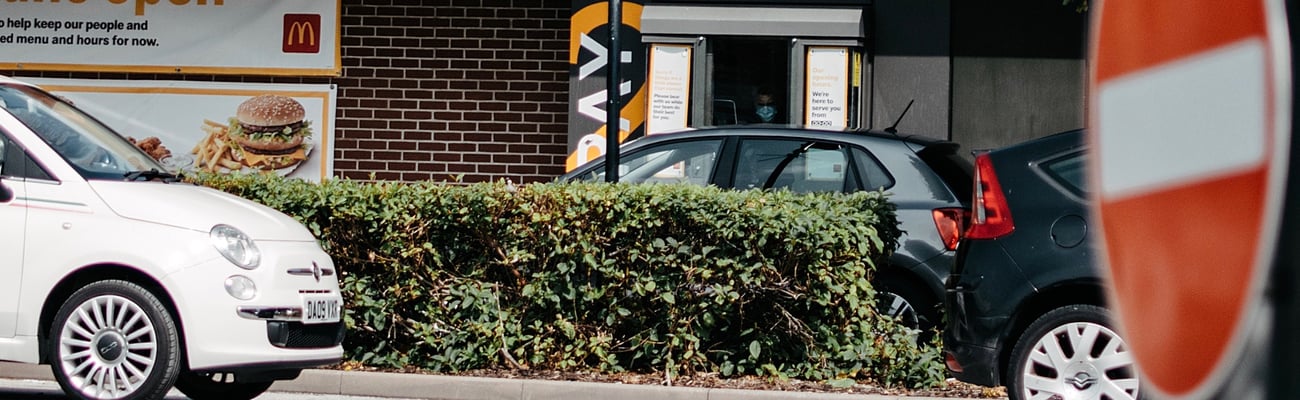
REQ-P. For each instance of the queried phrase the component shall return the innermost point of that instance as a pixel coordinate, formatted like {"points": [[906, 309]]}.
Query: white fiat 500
{"points": [[128, 282]]}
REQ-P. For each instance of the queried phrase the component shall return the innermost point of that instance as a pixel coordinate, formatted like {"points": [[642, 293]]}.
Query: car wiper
{"points": [[152, 174], [780, 167]]}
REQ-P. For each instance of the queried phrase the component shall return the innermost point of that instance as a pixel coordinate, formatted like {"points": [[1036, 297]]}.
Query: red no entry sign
{"points": [[1190, 114]]}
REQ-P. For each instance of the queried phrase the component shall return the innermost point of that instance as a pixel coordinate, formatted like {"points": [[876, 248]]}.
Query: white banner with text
{"points": [[670, 88], [828, 88], [281, 37]]}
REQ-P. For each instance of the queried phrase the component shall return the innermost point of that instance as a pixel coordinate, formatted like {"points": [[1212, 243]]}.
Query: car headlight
{"points": [[235, 246]]}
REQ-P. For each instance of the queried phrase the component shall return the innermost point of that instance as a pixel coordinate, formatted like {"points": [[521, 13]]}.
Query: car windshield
{"points": [[93, 149]]}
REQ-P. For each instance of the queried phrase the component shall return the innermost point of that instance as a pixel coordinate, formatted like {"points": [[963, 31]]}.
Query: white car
{"points": [[128, 282]]}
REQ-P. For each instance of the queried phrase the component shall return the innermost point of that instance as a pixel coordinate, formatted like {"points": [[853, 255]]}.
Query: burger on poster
{"points": [[269, 132]]}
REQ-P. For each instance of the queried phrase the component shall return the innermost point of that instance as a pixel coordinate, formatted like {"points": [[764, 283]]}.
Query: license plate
{"points": [[320, 309]]}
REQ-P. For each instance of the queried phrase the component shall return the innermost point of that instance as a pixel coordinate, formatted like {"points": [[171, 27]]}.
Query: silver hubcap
{"points": [[1080, 360], [108, 347]]}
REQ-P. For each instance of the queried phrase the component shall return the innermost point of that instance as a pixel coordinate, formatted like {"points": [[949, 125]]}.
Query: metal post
{"points": [[613, 106], [1284, 354]]}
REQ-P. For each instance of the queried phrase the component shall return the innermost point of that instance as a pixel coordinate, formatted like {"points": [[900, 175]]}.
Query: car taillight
{"points": [[990, 214], [951, 222]]}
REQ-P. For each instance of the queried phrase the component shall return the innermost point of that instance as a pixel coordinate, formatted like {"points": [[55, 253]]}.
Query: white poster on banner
{"points": [[193, 122], [282, 37], [670, 88], [828, 88]]}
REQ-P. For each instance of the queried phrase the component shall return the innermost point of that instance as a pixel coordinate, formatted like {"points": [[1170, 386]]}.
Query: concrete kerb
{"points": [[445, 387]]}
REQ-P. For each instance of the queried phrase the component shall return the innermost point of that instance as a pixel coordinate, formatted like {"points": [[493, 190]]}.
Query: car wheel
{"points": [[896, 298], [114, 340], [1072, 353], [218, 386]]}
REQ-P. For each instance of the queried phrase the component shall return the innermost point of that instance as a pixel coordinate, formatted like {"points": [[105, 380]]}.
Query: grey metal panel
{"points": [[670, 39], [798, 61], [700, 84], [998, 101], [759, 21], [911, 61], [902, 79]]}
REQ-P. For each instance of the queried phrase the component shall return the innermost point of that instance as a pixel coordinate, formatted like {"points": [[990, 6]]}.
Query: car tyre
{"points": [[219, 386], [114, 339], [909, 304], [1072, 352]]}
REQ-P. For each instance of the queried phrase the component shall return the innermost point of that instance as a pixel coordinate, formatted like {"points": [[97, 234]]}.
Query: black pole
{"points": [[1285, 279], [613, 107]]}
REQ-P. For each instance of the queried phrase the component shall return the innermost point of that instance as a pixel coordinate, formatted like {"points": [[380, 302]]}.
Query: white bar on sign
{"points": [[1183, 122]]}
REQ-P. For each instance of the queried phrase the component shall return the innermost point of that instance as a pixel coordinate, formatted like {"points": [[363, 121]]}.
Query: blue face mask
{"points": [[766, 112]]}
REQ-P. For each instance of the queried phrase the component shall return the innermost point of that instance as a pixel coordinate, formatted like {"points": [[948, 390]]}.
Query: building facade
{"points": [[482, 90]]}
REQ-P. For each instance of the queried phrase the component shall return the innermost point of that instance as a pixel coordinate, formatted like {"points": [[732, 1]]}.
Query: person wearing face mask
{"points": [[765, 111]]}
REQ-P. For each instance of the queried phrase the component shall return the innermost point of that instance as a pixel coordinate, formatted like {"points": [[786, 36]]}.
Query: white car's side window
{"points": [[14, 162]]}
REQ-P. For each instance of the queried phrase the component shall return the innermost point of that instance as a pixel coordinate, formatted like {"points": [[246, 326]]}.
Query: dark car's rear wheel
{"points": [[219, 386], [1071, 352], [114, 340], [907, 303]]}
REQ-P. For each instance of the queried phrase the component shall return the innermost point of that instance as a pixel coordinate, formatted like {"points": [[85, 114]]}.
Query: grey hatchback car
{"points": [[926, 179]]}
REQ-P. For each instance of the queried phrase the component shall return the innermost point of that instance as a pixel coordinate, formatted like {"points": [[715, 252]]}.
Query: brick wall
{"points": [[436, 89], [431, 90]]}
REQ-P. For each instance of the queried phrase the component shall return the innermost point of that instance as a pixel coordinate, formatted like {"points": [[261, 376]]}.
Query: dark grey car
{"points": [[1026, 305], [926, 179]]}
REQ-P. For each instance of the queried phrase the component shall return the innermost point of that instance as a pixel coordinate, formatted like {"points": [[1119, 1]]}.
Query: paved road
{"points": [[33, 389], [25, 382]]}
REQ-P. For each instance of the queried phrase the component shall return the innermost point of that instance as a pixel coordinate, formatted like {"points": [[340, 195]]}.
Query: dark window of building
{"points": [[751, 79]]}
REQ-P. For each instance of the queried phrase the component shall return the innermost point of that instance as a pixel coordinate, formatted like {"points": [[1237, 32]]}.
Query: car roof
{"points": [[782, 131], [1049, 143], [939, 155], [8, 80]]}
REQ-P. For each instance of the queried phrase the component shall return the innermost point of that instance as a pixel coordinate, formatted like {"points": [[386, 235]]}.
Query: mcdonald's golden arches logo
{"points": [[301, 33]]}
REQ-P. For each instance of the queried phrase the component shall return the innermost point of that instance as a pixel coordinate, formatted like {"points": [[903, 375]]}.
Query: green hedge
{"points": [[610, 277]]}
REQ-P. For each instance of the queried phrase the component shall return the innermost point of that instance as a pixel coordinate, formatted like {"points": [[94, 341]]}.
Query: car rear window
{"points": [[1068, 171], [955, 170]]}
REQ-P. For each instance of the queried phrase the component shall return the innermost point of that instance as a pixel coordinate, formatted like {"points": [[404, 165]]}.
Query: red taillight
{"points": [[990, 215], [951, 222]]}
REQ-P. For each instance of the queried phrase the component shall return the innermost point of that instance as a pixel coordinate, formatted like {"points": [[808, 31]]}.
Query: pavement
{"points": [[443, 387]]}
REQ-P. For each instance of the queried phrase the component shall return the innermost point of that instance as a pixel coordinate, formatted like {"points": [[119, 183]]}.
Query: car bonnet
{"points": [[198, 208]]}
